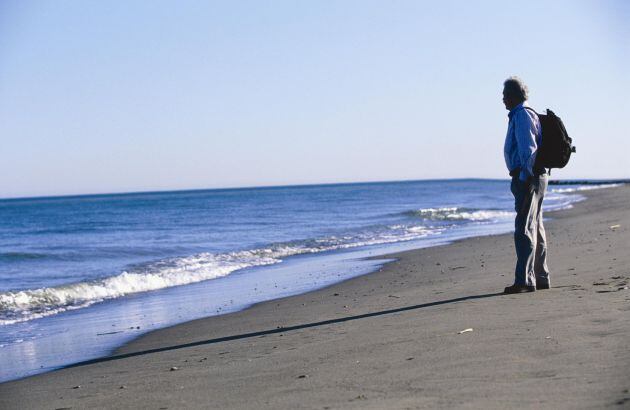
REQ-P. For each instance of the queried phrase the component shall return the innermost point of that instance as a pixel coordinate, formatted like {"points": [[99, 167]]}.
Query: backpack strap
{"points": [[531, 109], [534, 111]]}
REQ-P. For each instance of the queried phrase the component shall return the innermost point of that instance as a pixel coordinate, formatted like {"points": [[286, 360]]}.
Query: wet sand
{"points": [[392, 339]]}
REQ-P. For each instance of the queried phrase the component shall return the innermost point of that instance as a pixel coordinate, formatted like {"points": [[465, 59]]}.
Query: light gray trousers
{"points": [[529, 232]]}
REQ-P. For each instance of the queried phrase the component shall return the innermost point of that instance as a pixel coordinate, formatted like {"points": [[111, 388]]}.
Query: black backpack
{"points": [[556, 147]]}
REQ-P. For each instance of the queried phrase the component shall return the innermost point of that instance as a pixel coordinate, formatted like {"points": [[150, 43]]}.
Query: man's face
{"points": [[509, 101]]}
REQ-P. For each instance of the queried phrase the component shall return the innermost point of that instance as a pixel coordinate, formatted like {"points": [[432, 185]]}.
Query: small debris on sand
{"points": [[109, 333], [470, 329], [174, 368]]}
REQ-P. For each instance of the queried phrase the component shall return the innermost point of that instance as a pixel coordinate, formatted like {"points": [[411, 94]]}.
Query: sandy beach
{"points": [[429, 330]]}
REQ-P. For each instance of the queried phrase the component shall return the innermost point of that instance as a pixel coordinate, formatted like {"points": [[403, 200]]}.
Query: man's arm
{"points": [[526, 133]]}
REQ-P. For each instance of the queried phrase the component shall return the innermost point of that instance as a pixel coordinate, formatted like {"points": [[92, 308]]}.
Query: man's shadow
{"points": [[282, 329]]}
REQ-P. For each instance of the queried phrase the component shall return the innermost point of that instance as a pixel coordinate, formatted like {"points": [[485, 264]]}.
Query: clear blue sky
{"points": [[115, 96]]}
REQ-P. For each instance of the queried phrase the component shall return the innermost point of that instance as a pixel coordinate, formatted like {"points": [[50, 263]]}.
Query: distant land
{"points": [[589, 181]]}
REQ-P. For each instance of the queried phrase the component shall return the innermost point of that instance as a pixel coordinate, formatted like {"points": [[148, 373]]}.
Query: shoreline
{"points": [[382, 262], [230, 293], [435, 278]]}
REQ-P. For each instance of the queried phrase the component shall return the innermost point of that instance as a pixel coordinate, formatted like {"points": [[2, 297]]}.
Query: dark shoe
{"points": [[541, 286], [519, 289]]}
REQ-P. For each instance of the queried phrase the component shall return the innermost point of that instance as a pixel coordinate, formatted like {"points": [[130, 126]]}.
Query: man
{"points": [[528, 187]]}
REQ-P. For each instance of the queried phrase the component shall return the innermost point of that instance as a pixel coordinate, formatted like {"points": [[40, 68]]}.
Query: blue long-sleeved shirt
{"points": [[522, 140]]}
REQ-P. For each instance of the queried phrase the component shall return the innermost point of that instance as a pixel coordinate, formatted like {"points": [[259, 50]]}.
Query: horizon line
{"points": [[236, 188], [233, 188]]}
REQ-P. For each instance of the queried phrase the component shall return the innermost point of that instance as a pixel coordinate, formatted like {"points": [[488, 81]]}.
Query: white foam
{"points": [[584, 188], [24, 305], [455, 214], [36, 303]]}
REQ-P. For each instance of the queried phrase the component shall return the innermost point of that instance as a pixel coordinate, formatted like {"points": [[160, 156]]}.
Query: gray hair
{"points": [[515, 87]]}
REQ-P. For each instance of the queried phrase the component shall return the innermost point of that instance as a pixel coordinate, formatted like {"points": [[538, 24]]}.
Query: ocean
{"points": [[81, 275]]}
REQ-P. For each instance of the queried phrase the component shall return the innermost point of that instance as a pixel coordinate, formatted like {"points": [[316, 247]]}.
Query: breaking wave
{"points": [[24, 305], [584, 188], [459, 214]]}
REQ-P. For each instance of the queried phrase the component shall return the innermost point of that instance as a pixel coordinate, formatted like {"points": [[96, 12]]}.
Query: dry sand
{"points": [[391, 339]]}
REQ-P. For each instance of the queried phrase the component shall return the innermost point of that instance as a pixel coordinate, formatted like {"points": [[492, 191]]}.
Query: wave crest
{"points": [[459, 214], [24, 305], [584, 188], [21, 256]]}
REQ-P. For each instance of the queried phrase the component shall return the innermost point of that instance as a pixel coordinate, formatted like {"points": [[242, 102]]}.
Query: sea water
{"points": [[81, 275]]}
